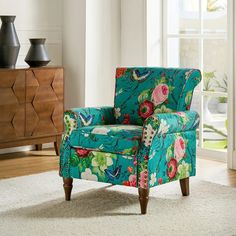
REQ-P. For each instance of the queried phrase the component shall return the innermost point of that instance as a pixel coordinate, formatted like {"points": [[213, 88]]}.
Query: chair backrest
{"points": [[142, 91]]}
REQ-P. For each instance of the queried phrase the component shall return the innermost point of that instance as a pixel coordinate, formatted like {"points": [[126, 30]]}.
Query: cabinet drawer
{"points": [[12, 100], [44, 101]]}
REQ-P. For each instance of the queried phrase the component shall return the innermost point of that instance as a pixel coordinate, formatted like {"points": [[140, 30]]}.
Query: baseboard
{"points": [[24, 148]]}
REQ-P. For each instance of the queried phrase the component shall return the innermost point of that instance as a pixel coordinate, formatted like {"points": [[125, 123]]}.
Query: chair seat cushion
{"points": [[121, 139]]}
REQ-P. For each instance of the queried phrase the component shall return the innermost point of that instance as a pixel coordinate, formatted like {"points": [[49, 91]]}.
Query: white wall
{"points": [[73, 56], [141, 32], [133, 33], [154, 32], [102, 50], [36, 19]]}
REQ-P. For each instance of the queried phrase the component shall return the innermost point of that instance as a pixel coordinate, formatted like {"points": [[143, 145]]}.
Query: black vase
{"points": [[9, 43], [37, 55]]}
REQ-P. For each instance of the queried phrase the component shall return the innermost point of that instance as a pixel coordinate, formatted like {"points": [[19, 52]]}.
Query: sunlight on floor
{"points": [[216, 172]]}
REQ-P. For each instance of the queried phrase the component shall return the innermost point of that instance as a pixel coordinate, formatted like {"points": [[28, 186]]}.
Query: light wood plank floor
{"points": [[26, 163], [32, 162]]}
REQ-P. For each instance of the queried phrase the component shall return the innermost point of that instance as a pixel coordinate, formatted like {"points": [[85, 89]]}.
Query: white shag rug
{"points": [[34, 205]]}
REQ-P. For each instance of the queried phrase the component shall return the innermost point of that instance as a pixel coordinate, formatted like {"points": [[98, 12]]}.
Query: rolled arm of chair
{"points": [[155, 145], [79, 117], [165, 123]]}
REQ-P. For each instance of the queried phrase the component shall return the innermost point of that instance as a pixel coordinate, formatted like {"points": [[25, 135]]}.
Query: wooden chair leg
{"points": [[67, 187], [143, 199], [184, 185]]}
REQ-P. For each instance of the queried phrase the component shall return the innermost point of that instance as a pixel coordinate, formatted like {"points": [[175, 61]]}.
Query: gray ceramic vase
{"points": [[37, 55], [9, 43]]}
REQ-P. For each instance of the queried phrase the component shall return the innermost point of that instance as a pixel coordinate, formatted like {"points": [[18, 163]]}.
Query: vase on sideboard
{"points": [[9, 42], [37, 55]]}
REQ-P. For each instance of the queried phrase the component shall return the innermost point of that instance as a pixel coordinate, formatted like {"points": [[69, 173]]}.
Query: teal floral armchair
{"points": [[147, 139]]}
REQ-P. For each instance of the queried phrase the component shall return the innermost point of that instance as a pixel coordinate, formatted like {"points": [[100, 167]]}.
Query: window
{"points": [[195, 35]]}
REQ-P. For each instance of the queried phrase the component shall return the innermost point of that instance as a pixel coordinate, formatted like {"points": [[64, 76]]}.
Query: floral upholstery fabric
{"points": [[168, 141], [102, 167], [147, 139], [141, 92], [123, 139], [172, 157], [82, 117]]}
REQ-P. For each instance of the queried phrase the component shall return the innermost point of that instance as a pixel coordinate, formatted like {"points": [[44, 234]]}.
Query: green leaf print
{"points": [[101, 175], [84, 163], [171, 88], [145, 95], [188, 97], [74, 160], [162, 109], [169, 153]]}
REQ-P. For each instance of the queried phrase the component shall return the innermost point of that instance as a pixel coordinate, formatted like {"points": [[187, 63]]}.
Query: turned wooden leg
{"points": [[184, 185], [67, 187], [143, 199], [57, 144], [39, 147]]}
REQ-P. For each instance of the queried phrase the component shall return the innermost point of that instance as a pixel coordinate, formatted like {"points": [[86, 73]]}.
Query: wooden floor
{"points": [[26, 163], [32, 162], [216, 172]]}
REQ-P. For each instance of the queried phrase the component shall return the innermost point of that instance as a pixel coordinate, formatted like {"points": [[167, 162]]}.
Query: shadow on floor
{"points": [[92, 203]]}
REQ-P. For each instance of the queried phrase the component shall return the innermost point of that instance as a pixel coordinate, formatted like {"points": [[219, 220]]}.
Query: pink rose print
{"points": [[179, 148], [82, 152], [132, 180], [143, 181], [146, 109], [172, 168], [181, 114], [160, 94]]}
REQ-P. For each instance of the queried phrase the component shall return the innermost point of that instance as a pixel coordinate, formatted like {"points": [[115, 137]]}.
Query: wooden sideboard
{"points": [[31, 106]]}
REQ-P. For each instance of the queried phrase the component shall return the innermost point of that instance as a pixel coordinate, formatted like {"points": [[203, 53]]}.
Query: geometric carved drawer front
{"points": [[44, 101], [12, 104]]}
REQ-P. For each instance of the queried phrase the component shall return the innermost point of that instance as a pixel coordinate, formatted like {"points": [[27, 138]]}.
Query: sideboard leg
{"points": [[39, 147], [57, 144]]}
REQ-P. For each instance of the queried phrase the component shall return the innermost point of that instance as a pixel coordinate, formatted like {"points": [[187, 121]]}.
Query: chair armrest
{"points": [[79, 117], [166, 123], [155, 145]]}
